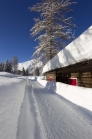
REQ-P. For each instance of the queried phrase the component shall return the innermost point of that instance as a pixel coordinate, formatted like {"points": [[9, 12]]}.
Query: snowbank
{"points": [[6, 74], [11, 97], [79, 95]]}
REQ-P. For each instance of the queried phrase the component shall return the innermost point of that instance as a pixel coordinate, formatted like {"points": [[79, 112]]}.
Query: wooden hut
{"points": [[73, 62]]}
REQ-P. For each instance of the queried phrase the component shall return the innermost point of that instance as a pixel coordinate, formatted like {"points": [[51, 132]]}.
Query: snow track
{"points": [[46, 115], [30, 123]]}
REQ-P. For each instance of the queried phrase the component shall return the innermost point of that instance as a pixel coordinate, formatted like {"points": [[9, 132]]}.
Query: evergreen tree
{"points": [[7, 66], [19, 72], [1, 66], [36, 71], [27, 72], [23, 71], [54, 25]]}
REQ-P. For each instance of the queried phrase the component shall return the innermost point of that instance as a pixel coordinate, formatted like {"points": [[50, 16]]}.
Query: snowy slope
{"points": [[78, 50], [30, 65], [12, 91]]}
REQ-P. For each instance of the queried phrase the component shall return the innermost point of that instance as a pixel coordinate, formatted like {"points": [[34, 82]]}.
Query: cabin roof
{"points": [[77, 51]]}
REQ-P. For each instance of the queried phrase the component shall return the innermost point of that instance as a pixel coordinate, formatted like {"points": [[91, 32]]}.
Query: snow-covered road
{"points": [[46, 115]]}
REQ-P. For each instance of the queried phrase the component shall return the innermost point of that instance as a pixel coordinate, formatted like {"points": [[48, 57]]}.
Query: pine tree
{"points": [[36, 71], [23, 71], [27, 72], [1, 66], [54, 25], [7, 66]]}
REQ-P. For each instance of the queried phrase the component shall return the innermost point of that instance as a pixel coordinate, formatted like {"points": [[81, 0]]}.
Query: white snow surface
{"points": [[58, 118], [30, 111], [80, 96], [30, 65], [12, 88], [78, 50]]}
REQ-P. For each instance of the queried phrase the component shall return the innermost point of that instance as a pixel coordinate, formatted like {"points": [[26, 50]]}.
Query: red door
{"points": [[73, 81]]}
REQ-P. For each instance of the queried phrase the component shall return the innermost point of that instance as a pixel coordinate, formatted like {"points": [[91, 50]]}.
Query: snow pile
{"points": [[10, 75], [30, 65], [37, 77], [78, 95], [11, 97], [78, 50]]}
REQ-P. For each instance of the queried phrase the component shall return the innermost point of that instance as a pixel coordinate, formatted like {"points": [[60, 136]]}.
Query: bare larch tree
{"points": [[54, 27]]}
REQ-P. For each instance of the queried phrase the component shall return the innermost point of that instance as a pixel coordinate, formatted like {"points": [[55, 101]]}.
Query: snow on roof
{"points": [[78, 50]]}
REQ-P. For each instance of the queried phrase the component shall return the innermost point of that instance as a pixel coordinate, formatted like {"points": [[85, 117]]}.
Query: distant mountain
{"points": [[30, 65]]}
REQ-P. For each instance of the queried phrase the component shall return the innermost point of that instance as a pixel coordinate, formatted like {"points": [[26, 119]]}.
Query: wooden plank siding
{"points": [[82, 71], [51, 74]]}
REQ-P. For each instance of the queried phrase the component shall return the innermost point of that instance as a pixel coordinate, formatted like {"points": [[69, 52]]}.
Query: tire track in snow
{"points": [[29, 124], [39, 119]]}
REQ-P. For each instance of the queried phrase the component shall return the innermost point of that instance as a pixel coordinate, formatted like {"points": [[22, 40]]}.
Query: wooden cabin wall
{"points": [[84, 79], [51, 74], [81, 71]]}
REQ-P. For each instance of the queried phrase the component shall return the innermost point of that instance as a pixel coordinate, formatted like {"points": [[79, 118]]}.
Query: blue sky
{"points": [[16, 21]]}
